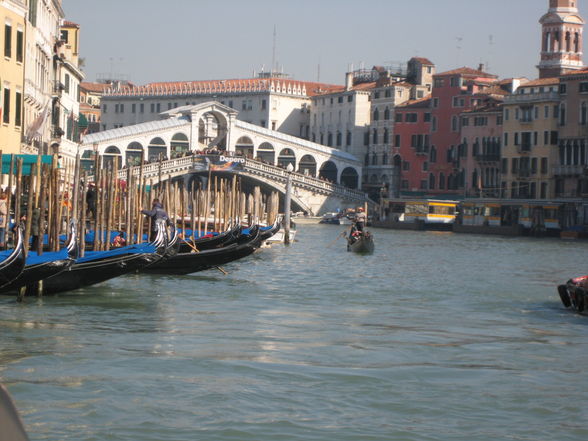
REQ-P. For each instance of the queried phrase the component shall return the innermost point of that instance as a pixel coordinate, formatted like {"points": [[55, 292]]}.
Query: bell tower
{"points": [[561, 45]]}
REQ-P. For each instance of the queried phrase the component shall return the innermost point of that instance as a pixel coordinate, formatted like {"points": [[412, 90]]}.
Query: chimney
{"points": [[348, 81], [481, 67]]}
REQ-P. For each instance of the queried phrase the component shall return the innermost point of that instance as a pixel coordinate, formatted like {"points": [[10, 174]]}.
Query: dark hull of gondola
{"points": [[266, 234], [208, 243], [31, 274], [92, 272], [12, 266], [188, 263]]}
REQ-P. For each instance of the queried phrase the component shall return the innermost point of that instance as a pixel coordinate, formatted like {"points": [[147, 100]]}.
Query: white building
{"points": [[276, 103], [42, 33]]}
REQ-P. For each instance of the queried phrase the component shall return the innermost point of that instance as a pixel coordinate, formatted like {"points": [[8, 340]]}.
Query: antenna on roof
{"points": [[274, 52], [458, 48]]}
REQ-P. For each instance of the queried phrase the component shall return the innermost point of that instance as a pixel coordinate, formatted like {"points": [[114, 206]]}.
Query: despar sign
{"points": [[226, 163]]}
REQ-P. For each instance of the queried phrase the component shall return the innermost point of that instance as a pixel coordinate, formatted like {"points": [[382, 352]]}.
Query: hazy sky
{"points": [[174, 40]]}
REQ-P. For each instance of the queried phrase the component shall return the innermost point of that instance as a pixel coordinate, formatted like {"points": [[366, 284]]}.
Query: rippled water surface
{"points": [[436, 336]]}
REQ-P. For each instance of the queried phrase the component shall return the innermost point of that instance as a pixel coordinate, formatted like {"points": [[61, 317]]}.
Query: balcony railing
{"points": [[487, 157], [531, 97], [569, 170], [524, 147], [524, 172]]}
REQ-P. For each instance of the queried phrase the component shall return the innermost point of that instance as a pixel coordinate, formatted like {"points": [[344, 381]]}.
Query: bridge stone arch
{"points": [[157, 146], [245, 147], [329, 171], [266, 152], [350, 178], [179, 145], [112, 154], [134, 153], [307, 166], [287, 156]]}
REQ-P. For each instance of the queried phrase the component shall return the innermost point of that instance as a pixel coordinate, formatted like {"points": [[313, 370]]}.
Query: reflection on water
{"points": [[434, 337]]}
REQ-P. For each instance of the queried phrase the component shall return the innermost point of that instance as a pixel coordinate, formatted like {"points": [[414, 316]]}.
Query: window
{"points": [[438, 82], [7, 40], [386, 136], [349, 98], [339, 139], [263, 104], [64, 36], [387, 114], [19, 46], [376, 115], [546, 138], [435, 102], [18, 109], [158, 107], [104, 108], [142, 108], [546, 112], [348, 140], [122, 108], [506, 114], [427, 117], [397, 140], [454, 124], [583, 87], [67, 81], [544, 166], [412, 117], [6, 107], [398, 117], [152, 107], [506, 139], [533, 166], [375, 136], [340, 99], [563, 89], [504, 167], [583, 113], [405, 165], [465, 121], [133, 108], [434, 124]]}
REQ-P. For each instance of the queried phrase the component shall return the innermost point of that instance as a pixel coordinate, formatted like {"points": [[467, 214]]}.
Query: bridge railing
{"points": [[186, 163]]}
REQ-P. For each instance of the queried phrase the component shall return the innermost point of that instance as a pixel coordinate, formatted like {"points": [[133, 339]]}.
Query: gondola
{"points": [[271, 230], [38, 267], [361, 242], [574, 294], [12, 262], [98, 266], [209, 242], [187, 263]]}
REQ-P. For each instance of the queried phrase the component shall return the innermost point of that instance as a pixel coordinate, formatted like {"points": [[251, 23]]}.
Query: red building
{"points": [[453, 93], [412, 147]]}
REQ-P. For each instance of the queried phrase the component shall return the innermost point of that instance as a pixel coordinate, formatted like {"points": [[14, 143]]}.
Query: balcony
{"points": [[569, 170], [422, 150], [531, 97], [524, 147]]}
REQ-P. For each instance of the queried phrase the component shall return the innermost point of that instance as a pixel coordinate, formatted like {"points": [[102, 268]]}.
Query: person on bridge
{"points": [[157, 212]]}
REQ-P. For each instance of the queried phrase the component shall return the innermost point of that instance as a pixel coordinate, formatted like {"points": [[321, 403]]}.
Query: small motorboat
{"points": [[361, 242], [574, 294]]}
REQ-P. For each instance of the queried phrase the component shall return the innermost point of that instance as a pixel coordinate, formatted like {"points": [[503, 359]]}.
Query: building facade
{"points": [[12, 44], [529, 150]]}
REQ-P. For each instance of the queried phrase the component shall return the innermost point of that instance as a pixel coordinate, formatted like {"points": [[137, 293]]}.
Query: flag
{"points": [[36, 127]]}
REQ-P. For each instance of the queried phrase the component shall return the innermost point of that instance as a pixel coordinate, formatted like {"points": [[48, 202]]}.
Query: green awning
{"points": [[82, 122], [27, 162]]}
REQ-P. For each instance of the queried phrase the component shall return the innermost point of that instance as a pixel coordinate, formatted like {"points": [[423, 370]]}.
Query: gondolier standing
{"points": [[157, 212], [359, 219]]}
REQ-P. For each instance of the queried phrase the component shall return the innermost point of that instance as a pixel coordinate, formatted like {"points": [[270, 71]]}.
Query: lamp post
{"points": [[287, 203]]}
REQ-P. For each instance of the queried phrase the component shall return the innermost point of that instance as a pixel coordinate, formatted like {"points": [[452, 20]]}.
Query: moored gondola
{"points": [[98, 266], [12, 261], [210, 241], [41, 266], [195, 261]]}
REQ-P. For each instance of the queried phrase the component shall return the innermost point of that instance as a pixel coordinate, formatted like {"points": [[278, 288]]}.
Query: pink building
{"points": [[453, 93], [411, 149]]}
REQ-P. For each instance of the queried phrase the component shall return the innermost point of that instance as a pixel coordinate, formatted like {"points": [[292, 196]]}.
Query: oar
{"points": [[197, 251], [337, 238]]}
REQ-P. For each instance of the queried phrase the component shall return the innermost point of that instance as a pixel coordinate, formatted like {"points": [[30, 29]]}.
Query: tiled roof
{"points": [[582, 71], [541, 82], [276, 85], [70, 24], [421, 103], [467, 71], [424, 61], [94, 87]]}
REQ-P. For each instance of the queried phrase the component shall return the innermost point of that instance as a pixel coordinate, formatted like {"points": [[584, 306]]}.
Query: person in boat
{"points": [[157, 212], [359, 219], [119, 241], [91, 199]]}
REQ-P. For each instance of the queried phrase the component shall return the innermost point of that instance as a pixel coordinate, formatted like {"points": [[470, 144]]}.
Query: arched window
{"points": [[375, 136], [454, 125], [568, 42], [576, 42], [583, 114], [330, 139], [374, 158], [431, 181], [387, 114], [441, 181], [348, 138], [339, 139], [386, 136], [376, 115], [385, 159], [433, 154]]}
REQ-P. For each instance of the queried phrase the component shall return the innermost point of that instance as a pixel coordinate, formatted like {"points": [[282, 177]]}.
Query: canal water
{"points": [[437, 336]]}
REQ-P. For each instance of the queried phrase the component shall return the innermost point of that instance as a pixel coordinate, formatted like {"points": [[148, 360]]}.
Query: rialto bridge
{"points": [[324, 179]]}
